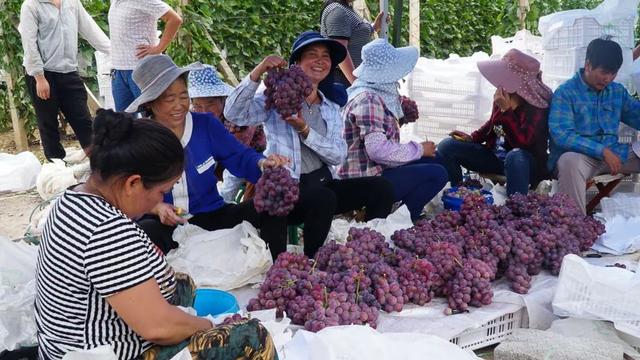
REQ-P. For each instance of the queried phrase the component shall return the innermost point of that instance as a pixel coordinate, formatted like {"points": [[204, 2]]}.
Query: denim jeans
{"points": [[123, 88], [416, 183], [518, 165]]}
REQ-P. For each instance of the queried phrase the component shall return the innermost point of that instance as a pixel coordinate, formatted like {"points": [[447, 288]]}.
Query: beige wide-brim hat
{"points": [[153, 75]]}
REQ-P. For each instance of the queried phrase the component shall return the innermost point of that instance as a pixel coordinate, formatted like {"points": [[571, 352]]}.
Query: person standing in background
{"points": [[338, 21], [49, 32], [133, 27]]}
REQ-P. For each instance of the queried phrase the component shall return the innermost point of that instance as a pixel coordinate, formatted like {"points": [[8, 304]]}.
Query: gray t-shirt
{"points": [[341, 22], [310, 159]]}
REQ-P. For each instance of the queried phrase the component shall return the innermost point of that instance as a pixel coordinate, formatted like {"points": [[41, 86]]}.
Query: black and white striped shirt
{"points": [[90, 251], [341, 22]]}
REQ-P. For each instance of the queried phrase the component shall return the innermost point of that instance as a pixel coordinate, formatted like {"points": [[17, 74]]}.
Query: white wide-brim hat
{"points": [[206, 83], [153, 75], [382, 63]]}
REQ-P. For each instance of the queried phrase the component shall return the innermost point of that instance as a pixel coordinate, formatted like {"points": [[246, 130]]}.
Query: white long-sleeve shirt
{"points": [[50, 35]]}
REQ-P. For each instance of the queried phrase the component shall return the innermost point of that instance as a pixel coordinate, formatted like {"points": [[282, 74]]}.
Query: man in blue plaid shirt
{"points": [[585, 115]]}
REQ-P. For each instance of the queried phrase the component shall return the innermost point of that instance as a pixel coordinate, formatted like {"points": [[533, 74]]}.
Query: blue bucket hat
{"points": [[335, 92], [337, 51], [206, 83], [382, 63]]}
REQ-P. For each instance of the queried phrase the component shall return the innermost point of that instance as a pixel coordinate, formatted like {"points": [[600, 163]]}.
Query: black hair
{"points": [[604, 53], [123, 146]]}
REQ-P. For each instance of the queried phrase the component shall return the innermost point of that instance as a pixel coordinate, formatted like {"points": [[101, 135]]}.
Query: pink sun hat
{"points": [[518, 73]]}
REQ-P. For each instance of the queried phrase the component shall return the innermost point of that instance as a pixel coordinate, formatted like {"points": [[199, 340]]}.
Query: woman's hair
{"points": [[123, 146]]}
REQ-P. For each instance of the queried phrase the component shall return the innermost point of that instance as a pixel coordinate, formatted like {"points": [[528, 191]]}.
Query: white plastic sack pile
{"points": [[18, 172], [599, 293], [17, 294], [223, 259], [363, 342], [55, 177], [621, 215], [399, 219]]}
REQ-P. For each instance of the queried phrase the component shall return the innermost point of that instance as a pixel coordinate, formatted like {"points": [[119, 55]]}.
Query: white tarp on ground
{"points": [[18, 172], [363, 342], [17, 294]]}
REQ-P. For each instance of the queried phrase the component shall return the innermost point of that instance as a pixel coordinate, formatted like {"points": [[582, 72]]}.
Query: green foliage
{"points": [[246, 31]]}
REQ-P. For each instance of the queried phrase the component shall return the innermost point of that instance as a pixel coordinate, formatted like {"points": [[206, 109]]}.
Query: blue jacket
{"points": [[207, 142]]}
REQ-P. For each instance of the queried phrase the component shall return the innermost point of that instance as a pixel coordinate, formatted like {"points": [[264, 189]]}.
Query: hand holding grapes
{"points": [[298, 123], [273, 161], [268, 63]]}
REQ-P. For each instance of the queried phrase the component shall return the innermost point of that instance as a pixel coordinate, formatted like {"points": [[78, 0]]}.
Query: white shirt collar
{"points": [[188, 130]]}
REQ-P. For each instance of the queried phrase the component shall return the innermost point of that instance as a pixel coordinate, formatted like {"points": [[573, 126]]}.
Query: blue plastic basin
{"points": [[214, 302], [454, 203]]}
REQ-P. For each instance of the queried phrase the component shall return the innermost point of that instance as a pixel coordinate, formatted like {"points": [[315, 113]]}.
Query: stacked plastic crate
{"points": [[451, 95], [565, 47], [523, 40]]}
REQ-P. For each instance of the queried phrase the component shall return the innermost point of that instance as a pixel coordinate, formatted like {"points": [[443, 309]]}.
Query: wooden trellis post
{"points": [[19, 132], [523, 8], [360, 6], [223, 65], [414, 23]]}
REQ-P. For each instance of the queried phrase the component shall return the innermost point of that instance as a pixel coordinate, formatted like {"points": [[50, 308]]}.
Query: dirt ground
{"points": [[16, 208]]}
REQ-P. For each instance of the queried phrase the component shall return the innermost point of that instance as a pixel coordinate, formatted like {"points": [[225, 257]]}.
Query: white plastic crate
{"points": [[436, 131], [523, 40], [598, 293], [455, 112], [493, 332], [585, 29], [626, 134], [565, 63]]}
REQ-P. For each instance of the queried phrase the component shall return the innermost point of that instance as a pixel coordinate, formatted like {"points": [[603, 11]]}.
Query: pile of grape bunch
{"points": [[410, 110], [286, 90], [276, 192]]}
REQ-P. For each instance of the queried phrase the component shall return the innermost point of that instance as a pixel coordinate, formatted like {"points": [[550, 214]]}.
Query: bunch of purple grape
{"points": [[276, 192], [410, 110], [286, 90]]}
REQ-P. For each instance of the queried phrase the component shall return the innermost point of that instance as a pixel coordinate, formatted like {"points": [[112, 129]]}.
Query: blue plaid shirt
{"points": [[245, 106], [586, 121]]}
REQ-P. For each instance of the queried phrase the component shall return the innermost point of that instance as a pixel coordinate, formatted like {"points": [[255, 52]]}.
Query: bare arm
{"points": [[347, 66], [173, 22], [143, 308]]}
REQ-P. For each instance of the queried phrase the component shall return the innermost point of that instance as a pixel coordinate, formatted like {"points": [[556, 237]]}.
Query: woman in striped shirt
{"points": [[100, 281]]}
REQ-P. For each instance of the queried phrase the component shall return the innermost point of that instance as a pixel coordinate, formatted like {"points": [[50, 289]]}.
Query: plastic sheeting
{"points": [[363, 342], [223, 259], [17, 294], [18, 172]]}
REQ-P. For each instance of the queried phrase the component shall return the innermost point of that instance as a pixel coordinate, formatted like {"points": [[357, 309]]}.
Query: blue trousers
{"points": [[518, 165], [123, 88], [416, 183]]}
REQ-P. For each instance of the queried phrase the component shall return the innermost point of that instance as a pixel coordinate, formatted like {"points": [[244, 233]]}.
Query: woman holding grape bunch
{"points": [[311, 137], [206, 142], [372, 132]]}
